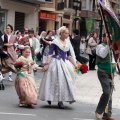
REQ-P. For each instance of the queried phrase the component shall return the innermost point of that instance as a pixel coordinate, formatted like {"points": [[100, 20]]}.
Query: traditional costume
{"points": [[105, 75], [57, 82], [25, 83], [7, 64], [32, 42]]}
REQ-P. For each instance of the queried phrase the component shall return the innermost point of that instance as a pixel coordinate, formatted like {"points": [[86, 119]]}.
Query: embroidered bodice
{"points": [[59, 53]]}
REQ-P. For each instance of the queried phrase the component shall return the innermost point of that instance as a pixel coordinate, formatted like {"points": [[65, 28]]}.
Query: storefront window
{"points": [[2, 20]]}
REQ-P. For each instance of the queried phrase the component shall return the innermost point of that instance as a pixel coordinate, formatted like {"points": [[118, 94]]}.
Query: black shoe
{"points": [[2, 87], [29, 106], [49, 102], [61, 105], [35, 70]]}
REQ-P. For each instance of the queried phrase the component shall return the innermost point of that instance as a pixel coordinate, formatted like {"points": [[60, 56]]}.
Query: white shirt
{"points": [[83, 45], [37, 49], [9, 35], [102, 51], [18, 38]]}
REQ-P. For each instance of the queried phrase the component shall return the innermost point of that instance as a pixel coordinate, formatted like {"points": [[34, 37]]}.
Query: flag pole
{"points": [[112, 76], [107, 30]]}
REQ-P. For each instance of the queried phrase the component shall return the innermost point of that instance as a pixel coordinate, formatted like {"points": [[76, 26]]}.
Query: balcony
{"points": [[55, 6], [87, 14], [31, 2]]}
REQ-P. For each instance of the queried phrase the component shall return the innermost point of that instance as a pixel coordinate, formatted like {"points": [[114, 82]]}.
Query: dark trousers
{"points": [[81, 59], [104, 79], [92, 60]]}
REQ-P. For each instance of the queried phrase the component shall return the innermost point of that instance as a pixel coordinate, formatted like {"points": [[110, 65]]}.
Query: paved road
{"points": [[88, 92]]}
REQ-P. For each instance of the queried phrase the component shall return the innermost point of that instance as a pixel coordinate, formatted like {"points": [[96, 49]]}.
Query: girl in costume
{"points": [[25, 82]]}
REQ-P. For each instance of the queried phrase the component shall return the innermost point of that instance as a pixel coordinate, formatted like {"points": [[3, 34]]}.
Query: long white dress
{"points": [[57, 83]]}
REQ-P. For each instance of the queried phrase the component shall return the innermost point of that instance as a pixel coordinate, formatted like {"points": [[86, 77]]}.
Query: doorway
{"points": [[42, 25]]}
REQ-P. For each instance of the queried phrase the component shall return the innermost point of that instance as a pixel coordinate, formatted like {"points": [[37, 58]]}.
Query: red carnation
{"points": [[18, 64], [84, 68], [17, 50]]}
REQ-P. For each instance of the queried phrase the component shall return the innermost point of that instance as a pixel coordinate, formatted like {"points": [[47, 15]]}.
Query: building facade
{"points": [[48, 14], [19, 14], [63, 12], [89, 10]]}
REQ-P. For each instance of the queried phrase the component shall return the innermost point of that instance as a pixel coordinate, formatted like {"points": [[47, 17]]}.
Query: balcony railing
{"points": [[87, 14], [31, 2], [57, 6], [48, 5]]}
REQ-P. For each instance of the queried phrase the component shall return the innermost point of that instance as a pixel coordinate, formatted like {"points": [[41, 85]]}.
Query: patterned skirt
{"points": [[57, 83], [26, 90]]}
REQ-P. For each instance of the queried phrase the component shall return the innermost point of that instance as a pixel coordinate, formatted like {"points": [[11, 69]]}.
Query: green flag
{"points": [[112, 23], [113, 28], [90, 24]]}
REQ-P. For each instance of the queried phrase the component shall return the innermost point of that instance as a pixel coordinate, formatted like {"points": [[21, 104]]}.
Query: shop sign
{"points": [[47, 16]]}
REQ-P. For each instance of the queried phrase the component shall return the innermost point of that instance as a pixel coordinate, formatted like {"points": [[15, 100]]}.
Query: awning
{"points": [[30, 1]]}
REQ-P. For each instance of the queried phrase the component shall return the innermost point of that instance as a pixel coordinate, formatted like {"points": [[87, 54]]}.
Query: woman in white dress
{"points": [[57, 83]]}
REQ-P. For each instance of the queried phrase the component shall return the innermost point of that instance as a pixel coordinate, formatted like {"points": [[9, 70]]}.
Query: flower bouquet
{"points": [[18, 66], [77, 70], [82, 68]]}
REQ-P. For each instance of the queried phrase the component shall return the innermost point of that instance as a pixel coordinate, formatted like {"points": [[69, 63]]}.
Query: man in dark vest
{"points": [[76, 46], [105, 76]]}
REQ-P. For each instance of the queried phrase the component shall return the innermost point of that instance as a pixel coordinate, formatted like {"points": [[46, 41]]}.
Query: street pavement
{"points": [[88, 91]]}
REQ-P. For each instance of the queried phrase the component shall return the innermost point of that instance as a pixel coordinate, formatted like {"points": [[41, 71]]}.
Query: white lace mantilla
{"points": [[60, 45]]}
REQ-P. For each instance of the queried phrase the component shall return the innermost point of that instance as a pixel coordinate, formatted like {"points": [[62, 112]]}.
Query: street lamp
{"points": [[76, 7]]}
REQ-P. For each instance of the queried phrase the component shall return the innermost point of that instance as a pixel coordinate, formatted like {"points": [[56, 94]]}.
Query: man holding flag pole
{"points": [[103, 60]]}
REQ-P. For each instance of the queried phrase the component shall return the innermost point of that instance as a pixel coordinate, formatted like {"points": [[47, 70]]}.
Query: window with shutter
{"points": [[19, 21], [70, 3]]}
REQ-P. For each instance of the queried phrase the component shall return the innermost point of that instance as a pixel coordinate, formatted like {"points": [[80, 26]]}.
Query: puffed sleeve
{"points": [[52, 48], [37, 49], [102, 51]]}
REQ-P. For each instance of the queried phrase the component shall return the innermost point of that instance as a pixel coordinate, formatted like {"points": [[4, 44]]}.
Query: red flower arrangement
{"points": [[18, 65], [82, 68]]}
